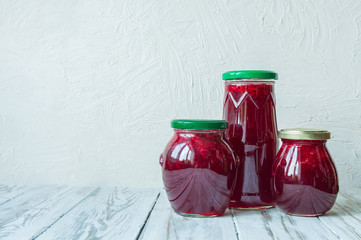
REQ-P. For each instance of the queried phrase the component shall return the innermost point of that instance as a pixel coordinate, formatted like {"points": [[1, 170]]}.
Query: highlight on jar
{"points": [[198, 168], [305, 177]]}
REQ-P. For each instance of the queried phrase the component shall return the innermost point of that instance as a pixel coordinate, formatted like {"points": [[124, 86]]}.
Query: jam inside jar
{"points": [[305, 176], [198, 168], [249, 108]]}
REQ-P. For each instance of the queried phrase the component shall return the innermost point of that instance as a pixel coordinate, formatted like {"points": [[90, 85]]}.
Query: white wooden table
{"points": [[64, 212]]}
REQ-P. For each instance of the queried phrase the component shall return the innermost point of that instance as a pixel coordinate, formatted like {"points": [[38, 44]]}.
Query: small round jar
{"points": [[305, 177], [198, 168]]}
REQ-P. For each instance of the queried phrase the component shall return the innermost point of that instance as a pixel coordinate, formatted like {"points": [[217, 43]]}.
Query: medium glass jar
{"points": [[198, 168], [249, 108], [305, 177]]}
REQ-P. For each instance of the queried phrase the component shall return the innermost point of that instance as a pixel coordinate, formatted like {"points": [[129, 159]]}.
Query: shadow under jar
{"points": [[305, 177], [249, 108], [198, 168]]}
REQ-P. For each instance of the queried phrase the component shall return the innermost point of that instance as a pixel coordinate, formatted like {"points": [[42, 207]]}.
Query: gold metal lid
{"points": [[304, 134]]}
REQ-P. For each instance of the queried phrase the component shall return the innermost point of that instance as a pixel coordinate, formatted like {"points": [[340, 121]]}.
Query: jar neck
{"points": [[249, 81], [193, 132], [304, 142]]}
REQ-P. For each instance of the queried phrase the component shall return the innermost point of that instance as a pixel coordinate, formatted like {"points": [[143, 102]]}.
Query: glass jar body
{"points": [[249, 108], [198, 168], [305, 178]]}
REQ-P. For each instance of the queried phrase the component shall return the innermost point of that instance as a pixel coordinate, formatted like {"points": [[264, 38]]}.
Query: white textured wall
{"points": [[88, 88]]}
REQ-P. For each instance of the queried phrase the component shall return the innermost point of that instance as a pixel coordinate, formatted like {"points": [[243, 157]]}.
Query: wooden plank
{"points": [[63, 212], [310, 227], [9, 192], [350, 203], [108, 213], [36, 209], [263, 224], [274, 224], [164, 223], [344, 219]]}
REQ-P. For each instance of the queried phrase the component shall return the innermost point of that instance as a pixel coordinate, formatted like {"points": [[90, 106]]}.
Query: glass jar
{"points": [[198, 168], [305, 177], [249, 108]]}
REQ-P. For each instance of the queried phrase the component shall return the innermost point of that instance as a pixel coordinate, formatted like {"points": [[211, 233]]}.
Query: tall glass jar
{"points": [[305, 177], [198, 168], [249, 108]]}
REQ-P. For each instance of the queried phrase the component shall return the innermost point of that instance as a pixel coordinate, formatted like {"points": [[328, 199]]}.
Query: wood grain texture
{"points": [[254, 224], [31, 213], [9, 192], [308, 227], [344, 219], [63, 212], [164, 223], [274, 224], [108, 213]]}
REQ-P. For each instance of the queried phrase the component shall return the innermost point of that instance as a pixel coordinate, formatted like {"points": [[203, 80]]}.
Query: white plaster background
{"points": [[88, 87]]}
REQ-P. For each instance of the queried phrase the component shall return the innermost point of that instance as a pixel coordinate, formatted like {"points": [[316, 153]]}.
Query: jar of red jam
{"points": [[198, 168], [249, 108], [305, 177]]}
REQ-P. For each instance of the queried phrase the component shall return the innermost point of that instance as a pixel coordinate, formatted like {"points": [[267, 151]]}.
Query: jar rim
{"points": [[250, 74], [183, 130], [304, 134], [253, 81], [199, 124]]}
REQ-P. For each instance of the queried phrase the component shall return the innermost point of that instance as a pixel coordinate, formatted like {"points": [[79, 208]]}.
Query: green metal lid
{"points": [[199, 124], [304, 134], [249, 74]]}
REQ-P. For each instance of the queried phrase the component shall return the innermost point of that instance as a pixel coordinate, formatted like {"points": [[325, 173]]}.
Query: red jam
{"points": [[198, 172], [249, 108], [305, 178]]}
